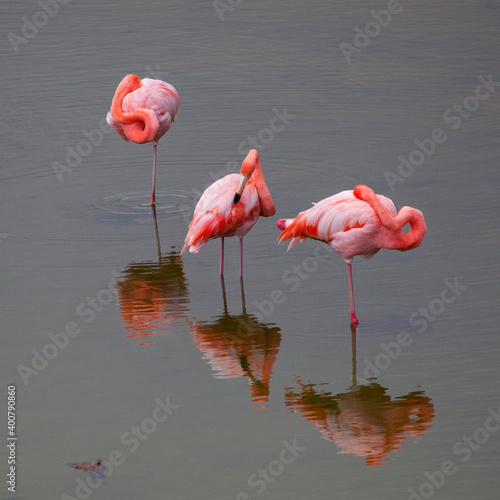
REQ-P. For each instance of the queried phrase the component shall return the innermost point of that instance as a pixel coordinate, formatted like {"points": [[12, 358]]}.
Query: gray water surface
{"points": [[185, 387]]}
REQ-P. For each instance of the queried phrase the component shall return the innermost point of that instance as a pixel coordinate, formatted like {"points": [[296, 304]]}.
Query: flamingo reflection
{"points": [[239, 346], [363, 421], [153, 295]]}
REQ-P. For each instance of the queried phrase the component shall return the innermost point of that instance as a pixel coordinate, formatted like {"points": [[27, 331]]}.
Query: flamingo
{"points": [[231, 207], [142, 111], [357, 222]]}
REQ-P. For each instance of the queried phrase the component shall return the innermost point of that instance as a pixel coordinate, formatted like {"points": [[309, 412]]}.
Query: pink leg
{"points": [[241, 257], [153, 200], [354, 320], [221, 270]]}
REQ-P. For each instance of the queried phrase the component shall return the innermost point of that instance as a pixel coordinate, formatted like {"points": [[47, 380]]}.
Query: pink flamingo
{"points": [[357, 222], [231, 207], [142, 111]]}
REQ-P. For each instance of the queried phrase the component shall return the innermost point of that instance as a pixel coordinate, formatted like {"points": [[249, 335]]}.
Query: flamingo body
{"points": [[217, 216], [155, 95], [142, 111], [349, 225], [356, 222], [230, 207]]}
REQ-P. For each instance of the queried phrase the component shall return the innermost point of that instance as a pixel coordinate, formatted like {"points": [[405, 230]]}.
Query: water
{"points": [[187, 387]]}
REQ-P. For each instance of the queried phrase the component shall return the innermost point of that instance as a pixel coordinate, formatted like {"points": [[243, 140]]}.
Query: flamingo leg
{"points": [[221, 270], [243, 306], [153, 200], [354, 319], [353, 355], [241, 257], [224, 300]]}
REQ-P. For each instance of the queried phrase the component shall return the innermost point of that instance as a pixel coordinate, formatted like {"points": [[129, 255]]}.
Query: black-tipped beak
{"points": [[240, 188]]}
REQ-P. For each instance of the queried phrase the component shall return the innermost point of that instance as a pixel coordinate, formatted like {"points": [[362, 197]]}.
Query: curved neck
{"points": [[407, 215], [415, 218], [266, 202], [140, 125]]}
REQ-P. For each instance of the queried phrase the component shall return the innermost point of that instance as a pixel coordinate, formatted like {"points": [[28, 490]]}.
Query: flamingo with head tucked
{"points": [[142, 111], [231, 207], [357, 222]]}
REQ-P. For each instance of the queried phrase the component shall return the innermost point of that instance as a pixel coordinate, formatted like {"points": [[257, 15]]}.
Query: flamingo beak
{"points": [[241, 187]]}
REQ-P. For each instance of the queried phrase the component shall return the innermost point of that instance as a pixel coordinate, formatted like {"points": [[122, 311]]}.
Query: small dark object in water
{"points": [[94, 469]]}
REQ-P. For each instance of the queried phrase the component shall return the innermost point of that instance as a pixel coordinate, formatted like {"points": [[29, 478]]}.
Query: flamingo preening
{"points": [[231, 207]]}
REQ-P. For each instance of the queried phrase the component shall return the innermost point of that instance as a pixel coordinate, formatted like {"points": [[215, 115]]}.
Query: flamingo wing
{"points": [[216, 215], [343, 221], [159, 96]]}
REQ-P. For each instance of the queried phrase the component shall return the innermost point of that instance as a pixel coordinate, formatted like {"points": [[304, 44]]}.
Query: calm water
{"points": [[186, 387]]}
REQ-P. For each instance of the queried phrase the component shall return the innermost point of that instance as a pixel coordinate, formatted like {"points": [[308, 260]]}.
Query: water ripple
{"points": [[173, 203]]}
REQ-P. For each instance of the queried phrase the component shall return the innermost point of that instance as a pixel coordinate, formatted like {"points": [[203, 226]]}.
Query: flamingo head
{"points": [[131, 82], [249, 163]]}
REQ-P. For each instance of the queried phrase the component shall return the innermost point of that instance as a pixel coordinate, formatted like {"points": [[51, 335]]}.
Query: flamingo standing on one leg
{"points": [[231, 207], [142, 111], [357, 222]]}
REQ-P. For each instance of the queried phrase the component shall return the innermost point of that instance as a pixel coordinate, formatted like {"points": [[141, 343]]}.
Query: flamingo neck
{"points": [[266, 202], [397, 239], [406, 241], [140, 125]]}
